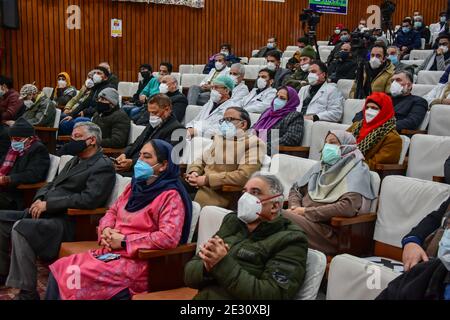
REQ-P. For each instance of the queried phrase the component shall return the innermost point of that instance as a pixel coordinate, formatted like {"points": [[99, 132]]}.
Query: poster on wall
{"points": [[116, 28], [189, 3], [329, 6]]}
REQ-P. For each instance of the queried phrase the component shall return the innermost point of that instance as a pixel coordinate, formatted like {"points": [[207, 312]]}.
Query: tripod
{"points": [[388, 27], [312, 37]]}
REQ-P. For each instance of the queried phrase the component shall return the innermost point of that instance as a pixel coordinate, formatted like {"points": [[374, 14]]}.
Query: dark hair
{"points": [[244, 115], [160, 156], [274, 53], [6, 81], [408, 74], [293, 60], [274, 38], [303, 40], [146, 66], [345, 30], [443, 36], [168, 65], [322, 66], [271, 73], [407, 21], [382, 46], [104, 70], [161, 100], [226, 45]]}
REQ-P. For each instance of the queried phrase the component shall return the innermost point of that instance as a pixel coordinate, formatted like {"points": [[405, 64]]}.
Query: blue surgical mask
{"points": [[394, 59], [228, 129], [418, 24], [444, 249], [279, 104], [143, 171], [345, 38], [18, 145], [331, 154], [406, 30]]}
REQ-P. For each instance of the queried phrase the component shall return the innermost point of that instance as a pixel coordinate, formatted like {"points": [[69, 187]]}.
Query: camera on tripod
{"points": [[387, 10], [362, 40], [311, 17]]}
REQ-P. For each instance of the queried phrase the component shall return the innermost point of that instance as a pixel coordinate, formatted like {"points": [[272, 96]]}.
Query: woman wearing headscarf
{"points": [[154, 212], [282, 116], [376, 133], [82, 95], [64, 91], [338, 186]]}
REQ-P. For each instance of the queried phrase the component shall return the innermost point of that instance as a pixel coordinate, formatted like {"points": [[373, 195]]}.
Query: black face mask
{"points": [[74, 147], [103, 107], [145, 74]]}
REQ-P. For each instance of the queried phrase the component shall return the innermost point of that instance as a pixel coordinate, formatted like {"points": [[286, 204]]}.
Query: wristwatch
{"points": [[123, 243]]}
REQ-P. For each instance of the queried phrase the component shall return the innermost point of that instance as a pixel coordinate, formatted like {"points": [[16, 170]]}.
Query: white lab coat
{"points": [[239, 92], [327, 104], [212, 73], [437, 93], [258, 103]]}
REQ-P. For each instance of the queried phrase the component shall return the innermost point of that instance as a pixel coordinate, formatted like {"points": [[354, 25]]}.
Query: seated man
{"points": [[26, 162], [271, 45], [206, 124], [422, 29], [256, 255], [394, 56], [343, 67], [261, 97], [292, 64], [199, 95], [42, 112], [112, 78], [231, 160], [439, 60], [170, 87], [133, 106], [64, 91], [300, 77], [410, 110], [302, 43], [345, 37], [240, 91], [377, 75], [11, 106], [86, 182], [274, 63], [407, 39], [320, 100], [231, 59], [335, 36], [162, 125]]}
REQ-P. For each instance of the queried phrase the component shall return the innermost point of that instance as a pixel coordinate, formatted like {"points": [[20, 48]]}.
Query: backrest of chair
{"points": [[292, 48], [289, 169], [134, 87], [440, 121], [375, 182], [316, 263], [53, 169], [429, 77], [345, 86], [307, 133], [254, 117], [420, 54], [348, 278], [251, 72], [177, 76], [426, 121], [254, 52], [427, 155], [284, 62], [191, 112], [351, 108], [405, 147], [244, 60], [63, 161], [194, 149], [324, 54], [48, 91], [186, 68], [198, 68], [124, 88], [119, 187], [135, 132], [195, 215], [289, 54], [417, 63], [319, 132], [257, 62], [191, 79], [404, 202], [57, 118], [322, 43], [209, 223]]}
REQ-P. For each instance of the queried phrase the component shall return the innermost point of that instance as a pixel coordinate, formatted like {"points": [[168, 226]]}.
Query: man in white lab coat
{"points": [[237, 73], [260, 98]]}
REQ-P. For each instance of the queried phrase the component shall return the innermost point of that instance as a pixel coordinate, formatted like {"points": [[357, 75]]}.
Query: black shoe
{"points": [[27, 295]]}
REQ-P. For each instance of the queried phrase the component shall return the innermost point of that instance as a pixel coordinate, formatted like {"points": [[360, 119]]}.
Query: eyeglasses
{"points": [[228, 120]]}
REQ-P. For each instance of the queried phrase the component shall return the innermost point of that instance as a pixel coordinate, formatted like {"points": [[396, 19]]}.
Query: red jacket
{"points": [[10, 105]]}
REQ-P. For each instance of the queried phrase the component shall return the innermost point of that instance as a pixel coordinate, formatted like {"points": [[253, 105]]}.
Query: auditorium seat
{"points": [[191, 79], [320, 130], [288, 54], [191, 112], [304, 149], [351, 108], [257, 62], [421, 89], [198, 68], [440, 121], [292, 48], [420, 54], [186, 68], [244, 60], [255, 52], [345, 86], [324, 54], [251, 72], [429, 77], [48, 91], [49, 135]]}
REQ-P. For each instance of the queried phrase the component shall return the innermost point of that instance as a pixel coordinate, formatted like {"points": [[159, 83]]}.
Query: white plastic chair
{"points": [[421, 89], [324, 54], [53, 169], [198, 68], [319, 132], [244, 60], [251, 72], [135, 132], [351, 108], [405, 147], [292, 48], [289, 54], [254, 117], [257, 62], [420, 54], [194, 220], [429, 77], [307, 133], [186, 68], [191, 79], [48, 91], [124, 89], [322, 43], [254, 52], [191, 112], [345, 86], [440, 121]]}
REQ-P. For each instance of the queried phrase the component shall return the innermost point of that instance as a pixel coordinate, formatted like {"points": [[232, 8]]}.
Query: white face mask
{"points": [[375, 63], [224, 52], [235, 79], [215, 96], [444, 48], [140, 77], [89, 83], [249, 208], [97, 78], [444, 249], [155, 121], [371, 114], [28, 103], [271, 66], [313, 79], [261, 83], [305, 67], [62, 84], [397, 89], [163, 88], [219, 66]]}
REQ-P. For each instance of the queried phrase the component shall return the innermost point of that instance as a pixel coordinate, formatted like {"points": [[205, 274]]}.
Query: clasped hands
{"points": [[213, 252], [194, 180], [111, 239]]}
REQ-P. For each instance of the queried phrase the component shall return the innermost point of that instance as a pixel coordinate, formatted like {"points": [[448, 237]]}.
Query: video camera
{"points": [[362, 40], [311, 17], [387, 9]]}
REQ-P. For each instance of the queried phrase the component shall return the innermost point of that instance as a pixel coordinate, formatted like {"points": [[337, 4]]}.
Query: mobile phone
{"points": [[114, 160], [107, 257]]}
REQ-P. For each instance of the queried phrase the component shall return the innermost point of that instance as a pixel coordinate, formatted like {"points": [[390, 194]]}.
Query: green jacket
{"points": [[42, 113], [267, 264], [297, 80], [115, 127], [151, 89]]}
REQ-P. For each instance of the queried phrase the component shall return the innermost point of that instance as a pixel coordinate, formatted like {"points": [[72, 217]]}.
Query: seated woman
{"points": [[338, 186], [64, 91], [84, 93], [377, 138], [154, 212], [281, 116]]}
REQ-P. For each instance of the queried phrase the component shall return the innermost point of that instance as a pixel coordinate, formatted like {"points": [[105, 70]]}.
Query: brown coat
{"points": [[235, 169], [382, 83], [387, 151]]}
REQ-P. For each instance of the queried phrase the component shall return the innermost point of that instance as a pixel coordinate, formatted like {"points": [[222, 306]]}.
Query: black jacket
{"points": [[342, 69], [5, 141], [290, 131], [115, 127], [30, 168], [88, 105], [447, 171], [142, 85]]}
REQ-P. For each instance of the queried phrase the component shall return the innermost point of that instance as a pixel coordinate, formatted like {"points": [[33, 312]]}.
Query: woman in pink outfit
{"points": [[154, 212]]}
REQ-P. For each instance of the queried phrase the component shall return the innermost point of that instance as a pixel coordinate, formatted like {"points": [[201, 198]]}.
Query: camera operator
{"points": [[407, 39], [345, 37], [343, 67], [376, 75]]}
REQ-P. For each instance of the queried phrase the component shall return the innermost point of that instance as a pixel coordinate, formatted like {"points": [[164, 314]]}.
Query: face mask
{"points": [[75, 147], [62, 84], [305, 67], [444, 249], [444, 48], [219, 66], [235, 79], [155, 121], [2, 93], [270, 45], [145, 74], [337, 31], [163, 88], [224, 52], [18, 146], [143, 171], [97, 78], [345, 38], [406, 30], [331, 154], [371, 114], [28, 103], [103, 107], [228, 129], [361, 26], [250, 207], [271, 66], [215, 96], [344, 55], [375, 63], [279, 104], [417, 24], [89, 83], [394, 59], [313, 79], [261, 83], [397, 89], [443, 19]]}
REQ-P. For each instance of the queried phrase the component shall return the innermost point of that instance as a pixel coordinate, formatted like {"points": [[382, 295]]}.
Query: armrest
{"points": [[113, 151], [230, 188], [406, 132], [294, 149], [439, 179], [45, 129], [391, 167], [342, 221], [79, 212], [64, 138], [31, 186], [149, 254]]}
